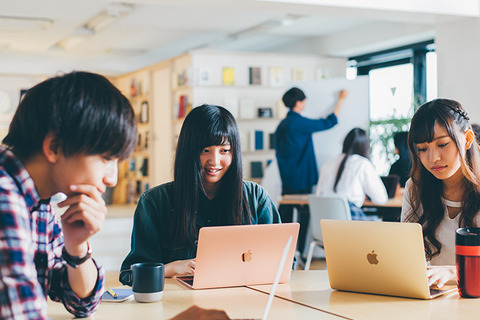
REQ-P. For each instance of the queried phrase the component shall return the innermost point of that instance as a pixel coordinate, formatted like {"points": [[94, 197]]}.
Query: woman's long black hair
{"points": [[356, 142], [426, 190], [206, 126]]}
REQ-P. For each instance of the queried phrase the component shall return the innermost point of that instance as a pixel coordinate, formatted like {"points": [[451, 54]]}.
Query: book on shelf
{"points": [[182, 106], [277, 77], [246, 109], [255, 75], [144, 167], [256, 169], [258, 140], [271, 141], [228, 76], [132, 164]]}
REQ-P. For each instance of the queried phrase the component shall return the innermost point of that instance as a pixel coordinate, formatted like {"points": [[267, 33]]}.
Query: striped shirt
{"points": [[31, 242]]}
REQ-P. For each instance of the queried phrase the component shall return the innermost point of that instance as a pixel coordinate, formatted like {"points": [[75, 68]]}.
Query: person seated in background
{"points": [[207, 190], [352, 175], [403, 165], [67, 135]]}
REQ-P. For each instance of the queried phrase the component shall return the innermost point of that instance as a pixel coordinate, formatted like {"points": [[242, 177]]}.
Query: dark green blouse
{"points": [[153, 219]]}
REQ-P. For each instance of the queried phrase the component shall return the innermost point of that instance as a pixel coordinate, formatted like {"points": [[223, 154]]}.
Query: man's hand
{"points": [[83, 218]]}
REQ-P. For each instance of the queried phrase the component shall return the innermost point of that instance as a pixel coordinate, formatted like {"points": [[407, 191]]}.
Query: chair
{"points": [[324, 207]]}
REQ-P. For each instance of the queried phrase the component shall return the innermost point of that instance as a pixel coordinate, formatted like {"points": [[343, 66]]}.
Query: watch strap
{"points": [[75, 261]]}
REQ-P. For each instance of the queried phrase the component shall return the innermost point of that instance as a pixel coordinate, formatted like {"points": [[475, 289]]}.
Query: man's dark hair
{"points": [[291, 97], [83, 111]]}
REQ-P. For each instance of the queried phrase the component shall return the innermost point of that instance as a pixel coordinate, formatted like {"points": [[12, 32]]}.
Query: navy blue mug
{"points": [[147, 280]]}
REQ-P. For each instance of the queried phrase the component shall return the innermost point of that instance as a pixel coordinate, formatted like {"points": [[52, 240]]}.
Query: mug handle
{"points": [[128, 279]]}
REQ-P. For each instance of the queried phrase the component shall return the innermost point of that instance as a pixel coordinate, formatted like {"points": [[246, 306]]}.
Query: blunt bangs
{"points": [[422, 128]]}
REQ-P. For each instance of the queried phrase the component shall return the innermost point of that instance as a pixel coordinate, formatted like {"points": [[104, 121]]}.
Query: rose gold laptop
{"points": [[241, 255], [385, 258]]}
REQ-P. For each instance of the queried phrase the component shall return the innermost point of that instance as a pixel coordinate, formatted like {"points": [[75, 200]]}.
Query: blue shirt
{"points": [[295, 153]]}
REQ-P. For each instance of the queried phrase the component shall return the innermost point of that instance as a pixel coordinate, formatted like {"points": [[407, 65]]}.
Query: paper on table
{"points": [[122, 295]]}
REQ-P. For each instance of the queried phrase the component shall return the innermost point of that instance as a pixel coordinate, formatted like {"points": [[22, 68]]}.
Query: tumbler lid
{"points": [[467, 237]]}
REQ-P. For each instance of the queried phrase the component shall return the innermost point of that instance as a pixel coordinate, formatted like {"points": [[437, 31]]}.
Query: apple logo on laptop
{"points": [[372, 257], [247, 256]]}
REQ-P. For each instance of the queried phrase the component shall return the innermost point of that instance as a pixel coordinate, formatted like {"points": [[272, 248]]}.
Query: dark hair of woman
{"points": [[356, 142], [427, 190], [403, 165], [206, 126]]}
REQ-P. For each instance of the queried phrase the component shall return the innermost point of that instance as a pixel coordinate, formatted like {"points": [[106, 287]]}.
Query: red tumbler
{"points": [[467, 247]]}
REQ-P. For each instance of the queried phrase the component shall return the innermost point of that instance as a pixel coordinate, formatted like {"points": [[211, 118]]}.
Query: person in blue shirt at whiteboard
{"points": [[295, 153]]}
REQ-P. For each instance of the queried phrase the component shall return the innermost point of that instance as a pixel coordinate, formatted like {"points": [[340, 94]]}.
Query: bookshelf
{"points": [[250, 85], [134, 172]]}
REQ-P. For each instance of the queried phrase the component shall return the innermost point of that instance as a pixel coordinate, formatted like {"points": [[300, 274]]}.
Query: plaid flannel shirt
{"points": [[31, 242]]}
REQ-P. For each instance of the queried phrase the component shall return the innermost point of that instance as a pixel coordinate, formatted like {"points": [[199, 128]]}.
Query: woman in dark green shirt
{"points": [[208, 190]]}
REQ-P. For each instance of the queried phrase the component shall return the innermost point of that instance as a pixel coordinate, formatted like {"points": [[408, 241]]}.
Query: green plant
{"points": [[382, 132]]}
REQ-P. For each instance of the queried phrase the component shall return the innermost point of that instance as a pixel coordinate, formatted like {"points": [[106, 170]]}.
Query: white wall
{"points": [[458, 53]]}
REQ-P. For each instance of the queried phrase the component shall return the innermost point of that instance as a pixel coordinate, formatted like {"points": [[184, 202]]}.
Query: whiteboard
{"points": [[322, 96]]}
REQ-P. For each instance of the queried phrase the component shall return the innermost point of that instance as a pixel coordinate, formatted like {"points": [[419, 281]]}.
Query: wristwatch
{"points": [[74, 261]]}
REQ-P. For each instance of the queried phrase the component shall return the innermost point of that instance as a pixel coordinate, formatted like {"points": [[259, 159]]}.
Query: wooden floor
{"points": [[111, 277]]}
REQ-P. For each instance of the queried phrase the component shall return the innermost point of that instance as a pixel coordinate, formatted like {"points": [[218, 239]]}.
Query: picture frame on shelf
{"points": [[231, 104], [265, 112], [246, 109], [204, 76], [298, 74], [277, 77]]}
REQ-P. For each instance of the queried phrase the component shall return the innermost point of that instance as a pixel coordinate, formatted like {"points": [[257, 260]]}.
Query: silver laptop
{"points": [[241, 255], [385, 258]]}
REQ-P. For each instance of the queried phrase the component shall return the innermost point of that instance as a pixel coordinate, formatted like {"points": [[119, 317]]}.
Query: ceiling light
{"points": [[11, 24], [98, 22], [265, 26]]}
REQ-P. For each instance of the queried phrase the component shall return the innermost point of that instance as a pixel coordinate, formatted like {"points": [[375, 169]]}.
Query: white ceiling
{"points": [[149, 31]]}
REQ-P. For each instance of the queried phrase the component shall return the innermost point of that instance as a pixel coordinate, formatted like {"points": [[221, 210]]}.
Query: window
{"points": [[400, 80]]}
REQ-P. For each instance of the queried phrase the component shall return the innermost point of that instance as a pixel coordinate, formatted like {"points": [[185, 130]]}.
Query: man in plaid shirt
{"points": [[67, 136]]}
